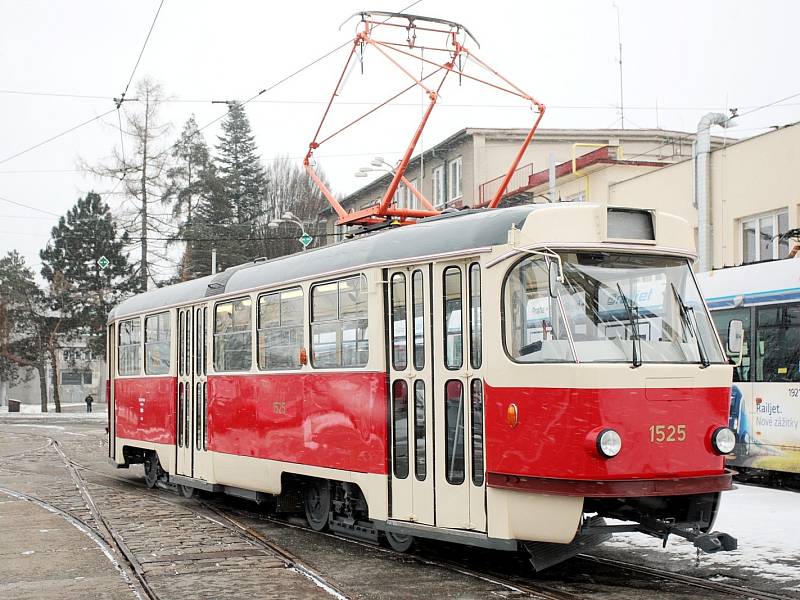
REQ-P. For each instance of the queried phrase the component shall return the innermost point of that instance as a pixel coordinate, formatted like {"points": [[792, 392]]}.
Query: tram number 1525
{"points": [[667, 433]]}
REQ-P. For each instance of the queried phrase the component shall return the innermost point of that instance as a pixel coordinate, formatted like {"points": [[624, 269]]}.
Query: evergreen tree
{"points": [[243, 180], [192, 182], [82, 291], [22, 313]]}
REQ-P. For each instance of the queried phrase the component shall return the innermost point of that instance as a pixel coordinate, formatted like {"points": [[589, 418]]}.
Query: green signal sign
{"points": [[305, 239], [103, 262]]}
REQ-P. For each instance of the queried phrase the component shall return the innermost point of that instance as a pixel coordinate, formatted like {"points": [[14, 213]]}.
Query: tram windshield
{"points": [[610, 307]]}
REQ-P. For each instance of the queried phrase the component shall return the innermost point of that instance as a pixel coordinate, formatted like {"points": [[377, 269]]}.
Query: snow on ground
{"points": [[766, 523]]}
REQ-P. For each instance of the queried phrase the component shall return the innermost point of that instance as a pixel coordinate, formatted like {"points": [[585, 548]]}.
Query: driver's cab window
{"points": [[535, 329], [722, 320], [778, 343]]}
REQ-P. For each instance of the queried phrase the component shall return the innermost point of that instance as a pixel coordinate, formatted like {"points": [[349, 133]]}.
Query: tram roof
{"points": [[449, 232]]}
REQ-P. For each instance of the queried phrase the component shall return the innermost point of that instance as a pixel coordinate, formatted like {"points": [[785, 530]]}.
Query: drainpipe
{"points": [[702, 186]]}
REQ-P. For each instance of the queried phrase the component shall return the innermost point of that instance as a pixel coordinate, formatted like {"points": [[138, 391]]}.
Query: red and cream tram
{"points": [[498, 378]]}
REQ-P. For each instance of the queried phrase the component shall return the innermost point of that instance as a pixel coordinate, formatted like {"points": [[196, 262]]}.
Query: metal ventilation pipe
{"points": [[702, 186]]}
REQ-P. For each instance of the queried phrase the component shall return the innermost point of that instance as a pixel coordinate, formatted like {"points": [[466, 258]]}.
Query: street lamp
{"points": [[289, 217]]}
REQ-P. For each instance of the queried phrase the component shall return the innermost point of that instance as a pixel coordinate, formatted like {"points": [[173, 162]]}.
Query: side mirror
{"points": [[553, 278], [735, 336]]}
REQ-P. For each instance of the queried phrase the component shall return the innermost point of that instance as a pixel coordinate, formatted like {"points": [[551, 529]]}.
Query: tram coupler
{"points": [[715, 541]]}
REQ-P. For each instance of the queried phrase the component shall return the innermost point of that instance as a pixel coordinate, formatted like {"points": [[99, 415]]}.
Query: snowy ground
{"points": [[766, 523]]}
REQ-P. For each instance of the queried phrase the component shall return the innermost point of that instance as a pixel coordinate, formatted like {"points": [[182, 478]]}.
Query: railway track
{"points": [[239, 521], [133, 564]]}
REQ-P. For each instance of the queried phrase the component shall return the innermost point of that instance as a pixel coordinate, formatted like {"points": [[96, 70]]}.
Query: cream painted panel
{"points": [[518, 515], [166, 452], [264, 475]]}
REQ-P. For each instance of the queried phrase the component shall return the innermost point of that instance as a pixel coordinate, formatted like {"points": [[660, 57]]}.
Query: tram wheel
{"points": [[187, 491], [399, 542], [317, 503], [152, 469]]}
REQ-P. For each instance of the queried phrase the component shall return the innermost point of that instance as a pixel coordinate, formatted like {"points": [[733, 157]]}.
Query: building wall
{"points": [[748, 178], [487, 154], [71, 360]]}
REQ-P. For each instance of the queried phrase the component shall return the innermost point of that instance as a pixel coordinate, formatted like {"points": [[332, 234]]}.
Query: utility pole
{"points": [[619, 42]]}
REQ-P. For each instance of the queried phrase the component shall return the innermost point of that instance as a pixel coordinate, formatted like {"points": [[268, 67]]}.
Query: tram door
{"points": [[191, 410], [408, 301], [458, 389]]}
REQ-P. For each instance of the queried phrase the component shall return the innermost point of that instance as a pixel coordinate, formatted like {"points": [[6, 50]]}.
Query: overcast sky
{"points": [[684, 57]]}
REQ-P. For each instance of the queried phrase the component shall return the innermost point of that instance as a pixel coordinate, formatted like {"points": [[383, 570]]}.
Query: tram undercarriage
{"points": [[341, 508]]}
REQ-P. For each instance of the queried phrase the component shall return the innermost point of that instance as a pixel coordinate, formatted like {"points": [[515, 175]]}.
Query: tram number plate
{"points": [[667, 433]]}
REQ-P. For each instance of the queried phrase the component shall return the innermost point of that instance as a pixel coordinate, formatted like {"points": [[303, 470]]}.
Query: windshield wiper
{"points": [[633, 317], [693, 330]]}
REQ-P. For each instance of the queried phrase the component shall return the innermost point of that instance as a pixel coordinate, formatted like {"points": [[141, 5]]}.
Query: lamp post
{"points": [[289, 217]]}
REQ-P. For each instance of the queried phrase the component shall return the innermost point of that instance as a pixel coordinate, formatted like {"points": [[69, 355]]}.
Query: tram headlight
{"points": [[723, 440], [609, 443]]}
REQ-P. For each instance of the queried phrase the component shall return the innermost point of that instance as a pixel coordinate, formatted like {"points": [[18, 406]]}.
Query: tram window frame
{"points": [[246, 332], [163, 325], [475, 317], [339, 321], [447, 314], [125, 367], [400, 445], [780, 321], [398, 313], [292, 328], [455, 454], [418, 313]]}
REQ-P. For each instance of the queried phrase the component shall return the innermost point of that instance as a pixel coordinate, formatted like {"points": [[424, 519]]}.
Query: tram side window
{"points": [[454, 429], [156, 344], [280, 330], [232, 335], [722, 319], [417, 293], [339, 323], [399, 337], [778, 343], [130, 338], [475, 321], [400, 428], [454, 334]]}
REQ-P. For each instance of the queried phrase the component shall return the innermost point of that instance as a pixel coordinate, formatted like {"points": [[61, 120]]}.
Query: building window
{"points": [[339, 323], [404, 197], [232, 336], [156, 344], [76, 378], [280, 329], [438, 186], [129, 351], [760, 237], [454, 179]]}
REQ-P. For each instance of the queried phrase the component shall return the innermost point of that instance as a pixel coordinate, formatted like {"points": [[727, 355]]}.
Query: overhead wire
{"points": [[55, 137]]}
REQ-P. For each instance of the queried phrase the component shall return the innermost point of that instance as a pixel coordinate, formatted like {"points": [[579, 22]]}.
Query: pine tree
{"points": [[82, 290], [192, 182], [243, 180], [22, 317]]}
